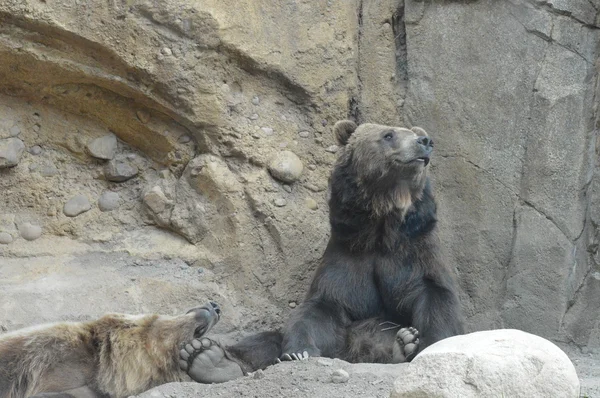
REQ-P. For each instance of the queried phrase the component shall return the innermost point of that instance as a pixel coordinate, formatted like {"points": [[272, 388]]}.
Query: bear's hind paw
{"points": [[206, 362]]}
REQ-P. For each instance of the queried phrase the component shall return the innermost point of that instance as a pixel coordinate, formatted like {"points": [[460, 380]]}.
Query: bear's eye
{"points": [[388, 136]]}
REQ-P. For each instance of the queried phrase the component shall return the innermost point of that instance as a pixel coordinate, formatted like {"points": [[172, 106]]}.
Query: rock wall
{"points": [[198, 135]]}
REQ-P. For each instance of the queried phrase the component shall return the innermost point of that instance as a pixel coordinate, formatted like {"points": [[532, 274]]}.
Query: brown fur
{"points": [[117, 355]]}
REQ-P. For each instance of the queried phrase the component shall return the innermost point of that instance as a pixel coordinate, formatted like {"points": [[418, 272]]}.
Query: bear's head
{"points": [[388, 164]]}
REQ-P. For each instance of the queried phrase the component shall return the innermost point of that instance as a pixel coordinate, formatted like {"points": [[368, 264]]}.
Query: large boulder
{"points": [[494, 363]]}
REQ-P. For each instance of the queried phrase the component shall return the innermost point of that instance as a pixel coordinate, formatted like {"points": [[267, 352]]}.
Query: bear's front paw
{"points": [[293, 356]]}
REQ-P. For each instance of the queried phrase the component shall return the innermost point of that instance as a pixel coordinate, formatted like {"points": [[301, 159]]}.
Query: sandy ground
{"points": [[315, 378]]}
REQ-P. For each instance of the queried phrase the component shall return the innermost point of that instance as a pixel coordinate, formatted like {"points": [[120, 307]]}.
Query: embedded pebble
{"points": [[256, 136], [103, 147], [108, 201], [259, 374], [340, 376], [311, 204], [184, 139], [312, 167], [76, 205], [286, 166], [280, 202], [14, 131], [292, 304], [325, 362], [30, 231], [254, 116], [304, 134], [287, 188], [332, 148], [166, 51], [11, 150], [48, 170], [35, 150], [36, 128], [5, 238], [267, 130], [255, 100], [119, 171], [143, 116], [156, 200]]}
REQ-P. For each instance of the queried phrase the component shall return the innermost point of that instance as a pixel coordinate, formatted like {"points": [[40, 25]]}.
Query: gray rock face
{"points": [[76, 205], [11, 150], [108, 201], [286, 166], [30, 231], [495, 363], [513, 184], [119, 171], [103, 147]]}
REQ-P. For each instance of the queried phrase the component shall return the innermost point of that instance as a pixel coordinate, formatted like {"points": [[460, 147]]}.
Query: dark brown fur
{"points": [[114, 356], [382, 263]]}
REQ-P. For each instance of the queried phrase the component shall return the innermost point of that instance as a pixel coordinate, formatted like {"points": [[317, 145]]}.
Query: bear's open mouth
{"points": [[423, 159], [199, 332]]}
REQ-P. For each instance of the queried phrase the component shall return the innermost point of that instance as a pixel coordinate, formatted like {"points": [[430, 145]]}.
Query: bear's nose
{"points": [[216, 307], [425, 141]]}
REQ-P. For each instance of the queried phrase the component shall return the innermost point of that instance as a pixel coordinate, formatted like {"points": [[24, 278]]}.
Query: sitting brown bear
{"points": [[114, 356], [381, 269]]}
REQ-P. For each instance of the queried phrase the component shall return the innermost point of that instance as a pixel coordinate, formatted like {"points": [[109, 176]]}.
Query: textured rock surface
{"points": [[494, 363], [203, 95]]}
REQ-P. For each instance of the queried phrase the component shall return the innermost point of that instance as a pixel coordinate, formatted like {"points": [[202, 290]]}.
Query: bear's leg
{"points": [[436, 313], [371, 341], [315, 329], [406, 345], [206, 362], [257, 351]]}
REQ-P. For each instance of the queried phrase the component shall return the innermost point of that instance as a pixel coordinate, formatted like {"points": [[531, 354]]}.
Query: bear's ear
{"points": [[343, 129], [419, 131]]}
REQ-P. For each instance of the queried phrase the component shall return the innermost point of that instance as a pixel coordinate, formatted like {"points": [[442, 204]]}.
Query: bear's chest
{"points": [[395, 279]]}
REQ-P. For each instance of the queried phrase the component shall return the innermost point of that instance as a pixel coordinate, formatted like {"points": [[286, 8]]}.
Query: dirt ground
{"points": [[314, 378]]}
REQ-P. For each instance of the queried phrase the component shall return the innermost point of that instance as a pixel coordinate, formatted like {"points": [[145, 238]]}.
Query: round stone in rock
{"points": [[256, 100], [340, 376], [108, 201], [11, 150], [311, 204], [30, 231], [267, 130], [280, 202], [304, 134], [286, 166], [76, 205], [332, 148], [103, 147], [35, 150], [119, 171], [14, 131], [5, 238]]}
